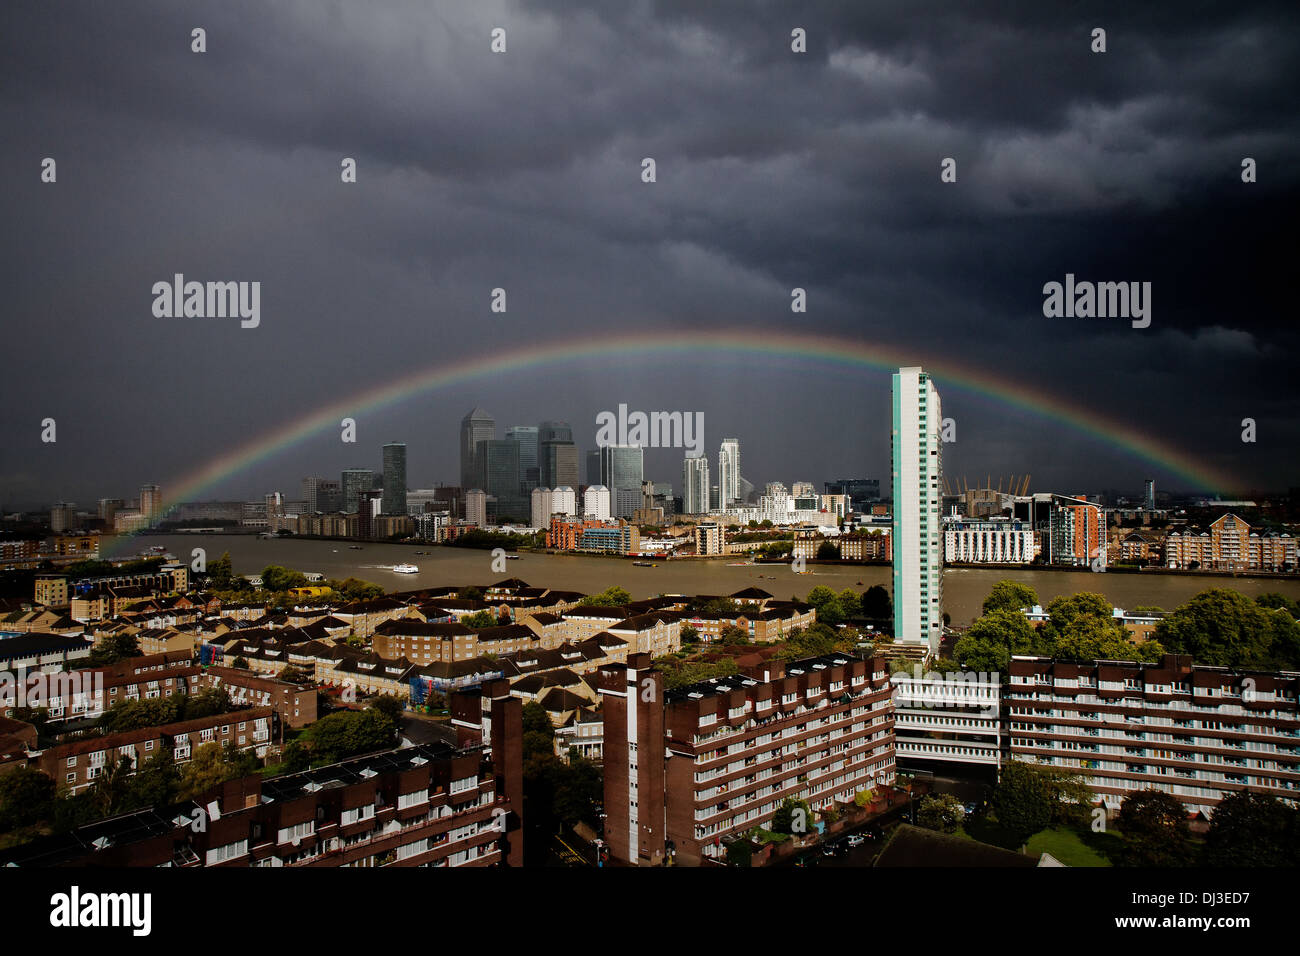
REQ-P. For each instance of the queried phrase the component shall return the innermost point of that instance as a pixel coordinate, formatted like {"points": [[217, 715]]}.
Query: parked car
{"points": [[856, 839]]}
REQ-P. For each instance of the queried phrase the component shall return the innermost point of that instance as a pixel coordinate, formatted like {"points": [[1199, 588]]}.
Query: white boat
{"points": [[406, 569]]}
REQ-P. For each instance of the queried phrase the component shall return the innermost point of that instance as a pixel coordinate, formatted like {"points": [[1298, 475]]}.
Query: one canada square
{"points": [[917, 468]]}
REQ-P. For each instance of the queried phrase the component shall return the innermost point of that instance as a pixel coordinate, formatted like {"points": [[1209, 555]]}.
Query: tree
{"points": [[733, 635], [479, 619], [689, 634], [876, 604], [989, 643], [277, 578], [1252, 829], [1155, 833], [1221, 627], [942, 812], [828, 551], [390, 706], [470, 594], [221, 572], [611, 597], [1273, 601], [1009, 595], [347, 733], [26, 797], [205, 769], [827, 604], [157, 781], [850, 603], [792, 816], [1022, 801], [114, 648]]}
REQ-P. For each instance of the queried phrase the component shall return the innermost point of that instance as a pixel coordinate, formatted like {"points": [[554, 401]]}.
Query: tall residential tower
{"points": [[918, 528]]}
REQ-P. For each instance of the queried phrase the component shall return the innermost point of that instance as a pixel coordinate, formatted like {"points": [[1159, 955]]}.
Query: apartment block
{"points": [[686, 769], [1197, 733], [950, 718]]}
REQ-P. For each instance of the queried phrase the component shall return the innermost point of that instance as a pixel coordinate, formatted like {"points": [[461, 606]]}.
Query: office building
{"points": [[558, 463], [593, 467], [478, 426], [1077, 533], [621, 471], [63, 517], [917, 542], [1149, 497], [354, 482], [498, 460], [554, 431], [529, 470], [862, 492], [476, 507], [394, 499]]}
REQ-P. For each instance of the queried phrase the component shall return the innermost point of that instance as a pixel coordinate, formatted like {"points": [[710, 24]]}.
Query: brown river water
{"points": [[964, 588]]}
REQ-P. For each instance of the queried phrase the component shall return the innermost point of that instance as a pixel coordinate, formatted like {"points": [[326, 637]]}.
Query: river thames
{"points": [[964, 588]]}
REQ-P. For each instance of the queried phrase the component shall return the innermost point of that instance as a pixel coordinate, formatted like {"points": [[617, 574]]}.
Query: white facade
{"points": [[917, 467], [564, 501], [992, 541], [948, 717], [728, 473], [595, 503], [695, 485]]}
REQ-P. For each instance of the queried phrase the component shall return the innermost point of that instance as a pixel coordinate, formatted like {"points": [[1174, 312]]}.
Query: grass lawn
{"points": [[1066, 846]]}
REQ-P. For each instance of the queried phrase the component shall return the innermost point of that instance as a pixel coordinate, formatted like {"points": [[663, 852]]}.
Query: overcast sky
{"points": [[522, 170]]}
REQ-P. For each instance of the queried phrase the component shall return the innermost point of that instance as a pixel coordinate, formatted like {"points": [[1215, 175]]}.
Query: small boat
{"points": [[354, 547], [642, 564], [512, 557], [406, 569]]}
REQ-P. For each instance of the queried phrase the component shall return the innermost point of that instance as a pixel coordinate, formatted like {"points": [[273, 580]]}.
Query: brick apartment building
{"points": [[1229, 544], [1197, 733], [431, 805], [75, 764], [688, 768], [294, 703]]}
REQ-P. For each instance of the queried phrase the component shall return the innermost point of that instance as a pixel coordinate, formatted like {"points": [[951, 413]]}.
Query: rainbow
{"points": [[822, 349]]}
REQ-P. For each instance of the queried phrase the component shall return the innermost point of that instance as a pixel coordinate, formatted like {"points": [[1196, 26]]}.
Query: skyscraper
{"points": [[353, 482], [321, 494], [695, 485], [499, 461], [394, 500], [529, 475], [1149, 499], [477, 426], [558, 465], [917, 468], [729, 472], [622, 469], [593, 467], [151, 502], [554, 431]]}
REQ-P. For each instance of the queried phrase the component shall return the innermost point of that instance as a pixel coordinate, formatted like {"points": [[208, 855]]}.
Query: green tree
{"points": [[1154, 827], [114, 648], [390, 705], [876, 604], [1252, 829], [205, 769], [277, 578], [1022, 801], [1009, 595], [828, 551], [26, 797], [1273, 601], [470, 594], [827, 604], [850, 603], [221, 572], [1224, 628], [989, 643], [157, 782], [479, 619], [347, 733], [793, 816], [611, 597], [942, 812]]}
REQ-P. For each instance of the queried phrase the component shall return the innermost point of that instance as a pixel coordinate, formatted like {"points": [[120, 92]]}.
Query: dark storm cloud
{"points": [[522, 171]]}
